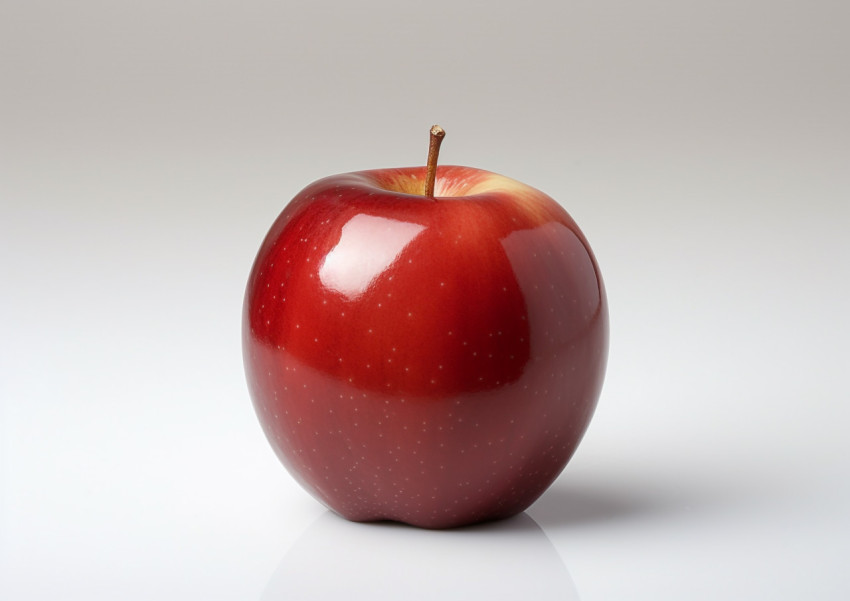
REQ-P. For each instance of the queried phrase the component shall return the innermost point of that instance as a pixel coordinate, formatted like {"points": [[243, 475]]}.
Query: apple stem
{"points": [[437, 135]]}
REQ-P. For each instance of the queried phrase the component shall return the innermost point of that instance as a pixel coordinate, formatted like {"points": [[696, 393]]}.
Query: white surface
{"points": [[145, 148]]}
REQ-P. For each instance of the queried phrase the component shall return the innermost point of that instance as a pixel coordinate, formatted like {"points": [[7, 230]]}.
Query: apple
{"points": [[426, 344]]}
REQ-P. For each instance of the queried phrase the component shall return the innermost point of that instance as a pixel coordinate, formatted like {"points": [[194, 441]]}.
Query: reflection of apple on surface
{"points": [[429, 359], [335, 559]]}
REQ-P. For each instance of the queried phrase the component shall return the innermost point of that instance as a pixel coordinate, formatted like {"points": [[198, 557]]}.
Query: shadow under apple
{"points": [[337, 559], [573, 502]]}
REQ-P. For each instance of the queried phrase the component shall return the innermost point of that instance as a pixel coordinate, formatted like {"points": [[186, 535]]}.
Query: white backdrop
{"points": [[146, 147]]}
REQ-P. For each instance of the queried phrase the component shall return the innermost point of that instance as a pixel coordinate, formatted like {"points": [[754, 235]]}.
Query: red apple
{"points": [[433, 360]]}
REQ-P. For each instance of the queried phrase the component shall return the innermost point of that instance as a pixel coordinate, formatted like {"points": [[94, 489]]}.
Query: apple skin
{"points": [[432, 361]]}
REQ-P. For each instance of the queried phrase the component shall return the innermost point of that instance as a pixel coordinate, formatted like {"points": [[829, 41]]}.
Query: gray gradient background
{"points": [[145, 148]]}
